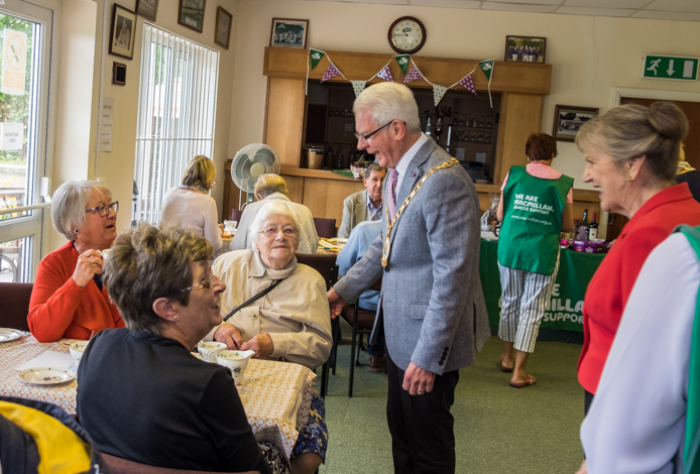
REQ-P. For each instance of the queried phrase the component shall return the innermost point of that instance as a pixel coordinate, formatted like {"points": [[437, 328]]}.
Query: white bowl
{"points": [[77, 348], [237, 361]]}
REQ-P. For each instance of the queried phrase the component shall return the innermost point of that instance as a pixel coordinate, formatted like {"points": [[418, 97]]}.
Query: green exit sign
{"points": [[670, 67]]}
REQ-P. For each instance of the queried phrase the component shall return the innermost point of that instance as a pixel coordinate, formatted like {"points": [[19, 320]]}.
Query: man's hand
{"points": [[261, 344], [89, 263], [229, 335], [417, 381], [336, 303]]}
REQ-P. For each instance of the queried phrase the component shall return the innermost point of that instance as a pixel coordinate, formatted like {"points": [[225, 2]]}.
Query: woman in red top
{"points": [[631, 155], [68, 298]]}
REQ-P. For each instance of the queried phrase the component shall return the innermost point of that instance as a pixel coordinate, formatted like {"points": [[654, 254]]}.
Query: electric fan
{"points": [[250, 162]]}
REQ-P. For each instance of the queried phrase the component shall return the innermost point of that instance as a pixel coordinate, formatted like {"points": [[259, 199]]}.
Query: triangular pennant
{"points": [[468, 83], [412, 75], [438, 93], [358, 86], [386, 74], [403, 59], [316, 56], [330, 73], [487, 67]]}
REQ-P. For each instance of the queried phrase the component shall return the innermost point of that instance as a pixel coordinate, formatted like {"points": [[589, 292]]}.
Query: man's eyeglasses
{"points": [[271, 232], [104, 210], [371, 134], [205, 285]]}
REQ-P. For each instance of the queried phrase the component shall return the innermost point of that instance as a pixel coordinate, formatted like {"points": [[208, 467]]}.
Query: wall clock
{"points": [[406, 35]]}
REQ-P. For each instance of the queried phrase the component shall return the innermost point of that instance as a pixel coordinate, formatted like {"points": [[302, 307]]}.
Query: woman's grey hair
{"points": [[631, 131], [147, 263], [389, 101], [273, 208], [270, 183], [69, 202]]}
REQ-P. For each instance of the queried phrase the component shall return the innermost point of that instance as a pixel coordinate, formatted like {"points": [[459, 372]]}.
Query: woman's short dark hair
{"points": [[540, 147], [148, 263]]}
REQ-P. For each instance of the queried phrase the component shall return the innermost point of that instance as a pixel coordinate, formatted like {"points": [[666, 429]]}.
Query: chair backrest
{"points": [[323, 264], [15, 305], [122, 466], [325, 227], [236, 215]]}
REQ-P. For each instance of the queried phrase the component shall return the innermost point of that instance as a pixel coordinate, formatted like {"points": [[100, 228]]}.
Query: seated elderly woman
{"points": [[166, 408], [68, 298], [291, 322]]}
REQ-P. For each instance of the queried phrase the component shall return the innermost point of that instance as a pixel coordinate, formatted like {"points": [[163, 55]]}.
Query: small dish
{"points": [[46, 376], [7, 335]]}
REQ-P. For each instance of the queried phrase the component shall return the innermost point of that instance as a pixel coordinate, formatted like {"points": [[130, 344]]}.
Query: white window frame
{"points": [[186, 110]]}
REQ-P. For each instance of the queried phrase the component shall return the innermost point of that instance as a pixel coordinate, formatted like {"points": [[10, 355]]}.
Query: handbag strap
{"points": [[255, 297]]}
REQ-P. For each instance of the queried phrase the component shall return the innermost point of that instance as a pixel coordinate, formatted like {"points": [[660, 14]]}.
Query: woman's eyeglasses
{"points": [[104, 209], [205, 285], [271, 232]]}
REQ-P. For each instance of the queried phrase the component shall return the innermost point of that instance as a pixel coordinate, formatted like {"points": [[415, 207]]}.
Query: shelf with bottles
{"points": [[472, 123], [472, 137]]}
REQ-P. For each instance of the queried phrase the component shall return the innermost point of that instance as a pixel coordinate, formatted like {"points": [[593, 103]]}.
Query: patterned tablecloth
{"points": [[276, 395]]}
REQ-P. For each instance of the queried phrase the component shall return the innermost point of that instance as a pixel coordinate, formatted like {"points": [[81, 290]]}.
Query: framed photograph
{"points": [[191, 14], [123, 32], [525, 49], [289, 33], [147, 8], [223, 27], [569, 119], [119, 74]]}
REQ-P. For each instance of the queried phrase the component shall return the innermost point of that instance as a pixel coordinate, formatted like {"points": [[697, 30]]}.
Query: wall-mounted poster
{"points": [[526, 49], [569, 119], [223, 27], [191, 14], [147, 8], [289, 33], [123, 32]]}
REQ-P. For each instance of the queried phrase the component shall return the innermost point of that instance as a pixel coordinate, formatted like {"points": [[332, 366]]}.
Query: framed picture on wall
{"points": [[569, 119], [119, 74], [191, 14], [289, 33], [147, 8], [223, 27], [123, 32], [525, 49]]}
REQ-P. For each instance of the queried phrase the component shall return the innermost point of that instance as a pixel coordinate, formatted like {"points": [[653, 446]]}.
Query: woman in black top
{"points": [[141, 394]]}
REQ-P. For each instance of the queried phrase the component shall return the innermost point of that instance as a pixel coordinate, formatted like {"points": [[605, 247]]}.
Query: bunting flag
{"points": [[386, 74], [330, 73], [438, 93], [487, 67], [316, 56], [468, 83], [402, 59], [358, 86], [412, 75]]}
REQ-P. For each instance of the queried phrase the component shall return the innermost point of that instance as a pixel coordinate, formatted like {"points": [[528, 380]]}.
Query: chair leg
{"points": [[360, 346], [336, 340], [324, 380], [352, 358]]}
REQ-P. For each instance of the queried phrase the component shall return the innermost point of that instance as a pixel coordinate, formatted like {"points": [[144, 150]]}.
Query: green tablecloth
{"points": [[565, 310]]}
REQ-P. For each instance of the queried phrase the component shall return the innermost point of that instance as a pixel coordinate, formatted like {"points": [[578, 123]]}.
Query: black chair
{"points": [[325, 227], [15, 305], [362, 322], [236, 215], [325, 265]]}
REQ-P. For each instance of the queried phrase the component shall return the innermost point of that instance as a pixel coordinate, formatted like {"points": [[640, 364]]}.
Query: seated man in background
{"points": [[364, 205], [271, 187], [360, 239]]}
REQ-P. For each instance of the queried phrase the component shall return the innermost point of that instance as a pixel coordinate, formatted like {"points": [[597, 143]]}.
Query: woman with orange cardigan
{"points": [[68, 298], [631, 155]]}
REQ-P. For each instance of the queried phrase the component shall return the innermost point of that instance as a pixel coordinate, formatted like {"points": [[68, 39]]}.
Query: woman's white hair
{"points": [[68, 204], [389, 101], [273, 208]]}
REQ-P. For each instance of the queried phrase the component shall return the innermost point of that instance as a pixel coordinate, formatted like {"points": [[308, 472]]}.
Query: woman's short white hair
{"points": [[273, 208], [389, 101], [68, 204]]}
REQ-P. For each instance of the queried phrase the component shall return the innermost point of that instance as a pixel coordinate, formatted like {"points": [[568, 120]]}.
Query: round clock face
{"points": [[407, 35]]}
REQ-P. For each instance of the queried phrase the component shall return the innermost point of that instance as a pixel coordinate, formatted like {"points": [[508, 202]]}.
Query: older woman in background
{"points": [[190, 205], [68, 298], [291, 323], [631, 155], [528, 250], [141, 395]]}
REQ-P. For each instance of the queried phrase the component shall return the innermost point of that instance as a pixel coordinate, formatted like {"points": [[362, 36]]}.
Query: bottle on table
{"points": [[428, 127], [593, 228], [584, 222]]}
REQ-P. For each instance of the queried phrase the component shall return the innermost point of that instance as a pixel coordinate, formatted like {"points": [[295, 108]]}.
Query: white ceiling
{"points": [[682, 10]]}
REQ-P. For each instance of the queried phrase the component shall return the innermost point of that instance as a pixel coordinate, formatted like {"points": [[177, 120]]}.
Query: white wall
{"points": [[591, 55]]}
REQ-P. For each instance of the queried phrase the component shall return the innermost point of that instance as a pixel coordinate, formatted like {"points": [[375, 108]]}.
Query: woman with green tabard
{"points": [[536, 203]]}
